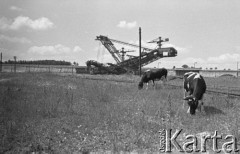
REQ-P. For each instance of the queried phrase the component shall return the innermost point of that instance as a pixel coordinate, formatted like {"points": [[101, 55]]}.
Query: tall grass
{"points": [[66, 114]]}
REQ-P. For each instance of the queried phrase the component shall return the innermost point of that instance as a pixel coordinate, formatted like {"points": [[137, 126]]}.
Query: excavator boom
{"points": [[149, 57], [133, 63]]}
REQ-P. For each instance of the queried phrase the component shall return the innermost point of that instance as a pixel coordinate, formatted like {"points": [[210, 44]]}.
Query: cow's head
{"points": [[140, 85], [193, 104]]}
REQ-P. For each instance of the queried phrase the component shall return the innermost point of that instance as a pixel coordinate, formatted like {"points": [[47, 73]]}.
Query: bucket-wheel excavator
{"points": [[132, 64]]}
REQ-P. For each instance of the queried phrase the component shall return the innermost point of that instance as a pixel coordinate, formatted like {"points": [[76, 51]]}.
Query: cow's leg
{"points": [[184, 93], [188, 111], [201, 105], [164, 80], [153, 84], [147, 86]]}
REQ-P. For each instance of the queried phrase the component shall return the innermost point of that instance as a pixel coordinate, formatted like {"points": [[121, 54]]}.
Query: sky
{"points": [[205, 33]]}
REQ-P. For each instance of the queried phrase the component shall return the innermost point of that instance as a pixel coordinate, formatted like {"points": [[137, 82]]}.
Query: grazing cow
{"points": [[155, 74], [196, 86]]}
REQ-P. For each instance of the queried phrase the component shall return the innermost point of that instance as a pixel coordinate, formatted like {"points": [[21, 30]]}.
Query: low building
{"points": [[218, 73], [182, 71]]}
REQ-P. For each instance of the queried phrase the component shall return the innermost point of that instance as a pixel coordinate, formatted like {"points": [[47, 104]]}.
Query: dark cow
{"points": [[196, 86], [155, 74]]}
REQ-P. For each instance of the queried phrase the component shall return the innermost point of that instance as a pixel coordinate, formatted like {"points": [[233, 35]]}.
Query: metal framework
{"points": [[146, 57], [110, 47]]}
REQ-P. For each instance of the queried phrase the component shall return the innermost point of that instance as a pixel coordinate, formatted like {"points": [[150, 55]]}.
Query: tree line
{"points": [[39, 62]]}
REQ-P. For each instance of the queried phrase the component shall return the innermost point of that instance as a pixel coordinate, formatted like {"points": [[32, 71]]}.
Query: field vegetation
{"points": [[51, 113]]}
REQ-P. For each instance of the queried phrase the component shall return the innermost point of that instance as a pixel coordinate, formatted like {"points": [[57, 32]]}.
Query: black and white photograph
{"points": [[119, 76]]}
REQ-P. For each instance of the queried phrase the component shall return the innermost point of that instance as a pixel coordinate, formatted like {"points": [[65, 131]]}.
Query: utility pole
{"points": [[15, 63], [123, 54], [237, 69], [160, 42], [140, 54], [1, 63]]}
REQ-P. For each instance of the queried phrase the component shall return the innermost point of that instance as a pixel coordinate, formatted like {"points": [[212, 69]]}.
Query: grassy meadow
{"points": [[51, 113]]}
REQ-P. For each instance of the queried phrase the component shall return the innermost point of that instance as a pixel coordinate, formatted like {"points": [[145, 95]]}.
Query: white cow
{"points": [[196, 86]]}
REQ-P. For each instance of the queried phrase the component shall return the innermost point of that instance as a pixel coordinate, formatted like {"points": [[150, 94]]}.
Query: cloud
{"points": [[225, 58], [49, 50], [42, 23], [38, 24], [55, 52], [128, 25], [77, 49], [14, 39], [15, 8]]}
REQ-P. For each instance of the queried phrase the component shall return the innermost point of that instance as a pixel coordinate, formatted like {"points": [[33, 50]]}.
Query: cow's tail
{"points": [[140, 84]]}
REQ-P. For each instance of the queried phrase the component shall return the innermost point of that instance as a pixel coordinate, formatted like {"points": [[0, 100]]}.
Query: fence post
{"points": [[228, 92], [237, 69], [1, 63], [15, 63]]}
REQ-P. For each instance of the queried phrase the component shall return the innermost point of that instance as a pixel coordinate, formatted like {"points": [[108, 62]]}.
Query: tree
{"points": [[185, 66], [215, 68], [39, 62]]}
